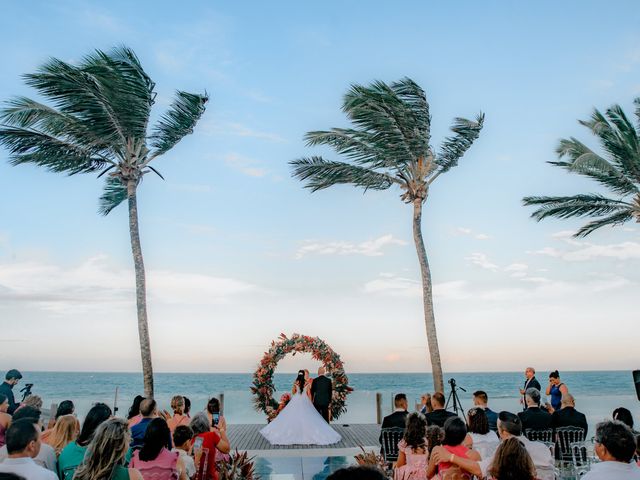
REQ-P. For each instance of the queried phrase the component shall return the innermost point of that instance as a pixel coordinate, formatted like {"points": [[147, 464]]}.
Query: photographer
{"points": [[6, 388]]}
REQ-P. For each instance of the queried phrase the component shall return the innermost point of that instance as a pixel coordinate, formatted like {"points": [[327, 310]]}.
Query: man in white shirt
{"points": [[46, 457], [615, 446], [509, 425], [23, 445]]}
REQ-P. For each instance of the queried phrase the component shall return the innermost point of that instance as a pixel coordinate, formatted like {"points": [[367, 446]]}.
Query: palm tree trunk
{"points": [[141, 290], [427, 298]]}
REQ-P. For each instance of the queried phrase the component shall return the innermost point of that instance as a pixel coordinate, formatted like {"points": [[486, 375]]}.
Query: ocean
{"points": [[597, 393]]}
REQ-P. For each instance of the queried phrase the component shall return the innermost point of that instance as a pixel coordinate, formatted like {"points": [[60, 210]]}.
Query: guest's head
{"points": [[358, 472], [415, 431], [437, 401], [23, 439], [425, 401], [306, 373], [532, 397], [134, 409], [34, 401], [10, 476], [31, 413], [554, 377], [435, 436], [4, 403], [12, 377], [182, 436], [156, 437], [64, 432], [568, 400], [529, 373], [400, 401], [177, 404], [213, 405], [512, 462], [106, 450], [480, 398], [98, 414], [478, 421], [187, 405], [614, 441], [66, 407], [455, 431], [148, 407], [509, 425], [200, 423], [623, 415], [321, 371]]}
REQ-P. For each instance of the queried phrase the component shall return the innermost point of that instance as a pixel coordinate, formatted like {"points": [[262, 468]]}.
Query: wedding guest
{"points": [[568, 416], [530, 381], [106, 452], [34, 401], [481, 399], [155, 458], [66, 407], [213, 408], [46, 457], [435, 436], [358, 472], [134, 416], [73, 454], [534, 417], [455, 431], [64, 432], [413, 455], [512, 462], [149, 411], [398, 418], [178, 418], [5, 418], [425, 402], [624, 415], [483, 440], [23, 446], [556, 389], [187, 406], [215, 440], [182, 436], [615, 446], [11, 379], [439, 415]]}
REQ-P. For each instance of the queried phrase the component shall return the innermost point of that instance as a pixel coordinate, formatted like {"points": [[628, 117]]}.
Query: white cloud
{"points": [[468, 232], [481, 260], [369, 248], [245, 165], [517, 270], [393, 285], [583, 251]]}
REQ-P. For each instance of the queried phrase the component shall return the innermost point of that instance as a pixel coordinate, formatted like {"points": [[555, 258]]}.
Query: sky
{"points": [[237, 251]]}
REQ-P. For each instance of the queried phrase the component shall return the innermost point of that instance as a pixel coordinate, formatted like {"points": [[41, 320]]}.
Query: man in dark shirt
{"points": [[534, 418], [149, 412], [529, 382], [480, 400], [439, 414], [398, 417], [568, 416], [6, 388]]}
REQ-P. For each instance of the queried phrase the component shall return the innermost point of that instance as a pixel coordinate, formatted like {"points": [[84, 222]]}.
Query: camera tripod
{"points": [[453, 395]]}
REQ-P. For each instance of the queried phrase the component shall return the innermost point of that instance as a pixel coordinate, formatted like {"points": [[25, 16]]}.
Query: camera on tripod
{"points": [[453, 395], [26, 390]]}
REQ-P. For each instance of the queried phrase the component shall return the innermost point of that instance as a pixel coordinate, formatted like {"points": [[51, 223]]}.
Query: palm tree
{"points": [[389, 145], [618, 171], [97, 122]]}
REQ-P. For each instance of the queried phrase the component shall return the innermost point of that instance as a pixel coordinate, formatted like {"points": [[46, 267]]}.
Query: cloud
{"points": [[517, 270], [481, 260], [369, 248], [244, 165], [389, 284], [471, 233], [580, 251]]}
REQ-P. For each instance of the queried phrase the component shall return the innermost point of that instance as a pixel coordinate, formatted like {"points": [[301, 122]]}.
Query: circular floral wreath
{"points": [[263, 387]]}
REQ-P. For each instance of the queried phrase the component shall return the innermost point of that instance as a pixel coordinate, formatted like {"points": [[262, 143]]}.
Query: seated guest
{"points": [[182, 436], [624, 415], [481, 399], [615, 446], [178, 418], [149, 411], [23, 445], [439, 414], [66, 407], [413, 455], [73, 454], [213, 439], [106, 452], [187, 406], [64, 432], [46, 457], [512, 462], [534, 417], [134, 415], [5, 418], [483, 440], [155, 460], [213, 407], [568, 416], [34, 401], [425, 402], [455, 431], [509, 426], [358, 472], [398, 418], [435, 436]]}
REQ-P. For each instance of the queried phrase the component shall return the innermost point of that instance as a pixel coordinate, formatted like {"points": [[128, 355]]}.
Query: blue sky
{"points": [[237, 251]]}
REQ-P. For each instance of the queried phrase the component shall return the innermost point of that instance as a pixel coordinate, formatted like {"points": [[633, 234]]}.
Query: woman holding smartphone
{"points": [[208, 440]]}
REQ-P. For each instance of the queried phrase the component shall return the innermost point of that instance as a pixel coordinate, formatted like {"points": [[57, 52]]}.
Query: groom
{"points": [[321, 393]]}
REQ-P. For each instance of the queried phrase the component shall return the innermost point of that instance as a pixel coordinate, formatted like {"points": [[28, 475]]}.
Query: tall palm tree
{"points": [[618, 171], [97, 121], [389, 144]]}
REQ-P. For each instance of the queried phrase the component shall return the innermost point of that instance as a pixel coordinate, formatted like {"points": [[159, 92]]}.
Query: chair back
{"points": [[390, 439], [565, 437], [545, 435]]}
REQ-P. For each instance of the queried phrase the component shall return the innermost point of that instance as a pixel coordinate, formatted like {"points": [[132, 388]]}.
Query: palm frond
{"points": [[611, 220], [454, 147], [318, 173], [575, 206], [115, 192], [360, 146], [178, 121]]}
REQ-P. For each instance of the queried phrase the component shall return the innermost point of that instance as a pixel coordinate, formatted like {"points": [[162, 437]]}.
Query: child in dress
{"points": [[455, 432], [413, 455]]}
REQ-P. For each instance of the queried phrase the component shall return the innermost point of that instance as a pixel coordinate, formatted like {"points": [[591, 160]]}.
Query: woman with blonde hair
{"points": [[106, 453], [64, 432], [178, 418]]}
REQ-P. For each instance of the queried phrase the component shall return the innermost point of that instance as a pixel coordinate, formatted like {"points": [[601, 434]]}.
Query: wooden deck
{"points": [[248, 437]]}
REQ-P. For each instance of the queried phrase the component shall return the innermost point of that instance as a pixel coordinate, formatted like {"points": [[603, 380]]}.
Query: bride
{"points": [[299, 423]]}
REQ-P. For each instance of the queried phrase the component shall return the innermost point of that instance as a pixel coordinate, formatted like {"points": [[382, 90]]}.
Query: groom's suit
{"points": [[321, 393]]}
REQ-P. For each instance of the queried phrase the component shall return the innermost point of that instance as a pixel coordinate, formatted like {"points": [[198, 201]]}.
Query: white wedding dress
{"points": [[299, 423]]}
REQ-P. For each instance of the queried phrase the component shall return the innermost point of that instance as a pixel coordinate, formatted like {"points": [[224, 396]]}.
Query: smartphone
{"points": [[216, 418]]}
